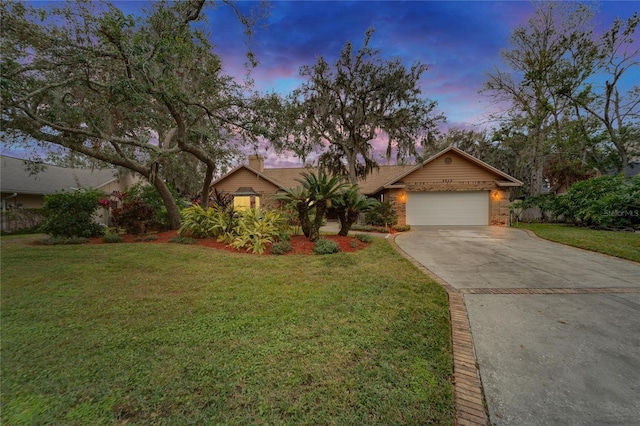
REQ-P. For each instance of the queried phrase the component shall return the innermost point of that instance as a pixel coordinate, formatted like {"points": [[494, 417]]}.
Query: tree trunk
{"points": [[351, 164], [536, 163], [303, 215], [614, 135], [344, 226], [169, 202], [321, 208], [206, 187]]}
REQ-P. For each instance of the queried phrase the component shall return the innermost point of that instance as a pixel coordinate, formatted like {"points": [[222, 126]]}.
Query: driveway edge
{"points": [[470, 403]]}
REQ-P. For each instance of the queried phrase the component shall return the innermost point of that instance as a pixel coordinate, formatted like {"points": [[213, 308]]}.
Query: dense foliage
{"points": [[255, 229], [202, 223], [382, 214], [348, 103], [70, 214], [135, 216], [565, 115], [148, 195], [603, 202], [249, 229]]}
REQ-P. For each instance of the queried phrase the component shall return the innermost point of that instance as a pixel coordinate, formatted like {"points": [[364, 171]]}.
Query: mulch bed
{"points": [[300, 243]]}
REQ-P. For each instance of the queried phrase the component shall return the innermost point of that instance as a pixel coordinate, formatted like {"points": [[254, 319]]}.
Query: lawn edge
{"points": [[470, 406], [534, 235]]}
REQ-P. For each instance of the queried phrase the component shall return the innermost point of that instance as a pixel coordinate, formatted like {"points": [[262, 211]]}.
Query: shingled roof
{"points": [[15, 178], [379, 179], [287, 178]]}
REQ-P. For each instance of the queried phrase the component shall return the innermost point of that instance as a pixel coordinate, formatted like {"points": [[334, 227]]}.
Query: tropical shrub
{"points": [[605, 202], [250, 229], [382, 214], [134, 216], [602, 202], [70, 214], [324, 246], [401, 228], [255, 229], [311, 200], [223, 200], [201, 223]]}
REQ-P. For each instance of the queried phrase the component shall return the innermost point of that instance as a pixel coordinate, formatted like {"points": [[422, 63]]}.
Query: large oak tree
{"points": [[133, 91], [342, 108]]}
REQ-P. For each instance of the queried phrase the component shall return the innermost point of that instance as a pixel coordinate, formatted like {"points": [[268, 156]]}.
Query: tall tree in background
{"points": [[599, 66], [528, 86], [135, 92], [563, 91], [348, 105]]}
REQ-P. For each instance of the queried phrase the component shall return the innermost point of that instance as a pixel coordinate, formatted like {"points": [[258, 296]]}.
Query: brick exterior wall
{"points": [[498, 199], [398, 200], [499, 207]]}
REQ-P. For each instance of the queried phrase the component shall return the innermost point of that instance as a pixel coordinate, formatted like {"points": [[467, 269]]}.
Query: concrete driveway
{"points": [[556, 330]]}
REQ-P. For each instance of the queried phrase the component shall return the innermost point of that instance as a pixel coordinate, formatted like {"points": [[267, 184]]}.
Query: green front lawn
{"points": [[171, 334], [620, 244]]}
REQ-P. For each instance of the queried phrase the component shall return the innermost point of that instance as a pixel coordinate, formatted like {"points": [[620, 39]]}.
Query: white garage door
{"points": [[448, 208]]}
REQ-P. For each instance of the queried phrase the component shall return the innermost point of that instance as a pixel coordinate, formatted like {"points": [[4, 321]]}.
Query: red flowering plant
{"points": [[105, 202]]}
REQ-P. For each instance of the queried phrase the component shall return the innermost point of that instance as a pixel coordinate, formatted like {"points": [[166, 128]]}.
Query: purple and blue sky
{"points": [[460, 41]]}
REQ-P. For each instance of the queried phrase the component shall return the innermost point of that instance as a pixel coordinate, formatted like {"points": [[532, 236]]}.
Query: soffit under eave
{"points": [[505, 183]]}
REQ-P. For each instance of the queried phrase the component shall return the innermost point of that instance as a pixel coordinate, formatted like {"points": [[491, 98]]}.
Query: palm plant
{"points": [[314, 196], [322, 189], [349, 204], [298, 198]]}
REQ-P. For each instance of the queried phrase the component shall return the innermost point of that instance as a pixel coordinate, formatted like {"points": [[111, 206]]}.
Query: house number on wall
{"points": [[447, 180]]}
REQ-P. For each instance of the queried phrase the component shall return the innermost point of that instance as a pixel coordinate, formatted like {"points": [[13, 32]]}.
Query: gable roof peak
{"points": [[463, 154]]}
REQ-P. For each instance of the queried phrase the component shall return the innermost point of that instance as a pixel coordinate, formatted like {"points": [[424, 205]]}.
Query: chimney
{"points": [[256, 162]]}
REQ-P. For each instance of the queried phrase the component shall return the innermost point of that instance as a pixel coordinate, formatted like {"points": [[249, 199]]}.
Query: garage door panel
{"points": [[448, 208]]}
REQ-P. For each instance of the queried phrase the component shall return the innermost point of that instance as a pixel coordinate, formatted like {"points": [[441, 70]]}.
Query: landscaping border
{"points": [[470, 403]]}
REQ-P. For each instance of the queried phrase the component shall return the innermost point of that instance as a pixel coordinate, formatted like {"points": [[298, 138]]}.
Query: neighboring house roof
{"points": [[17, 179]]}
